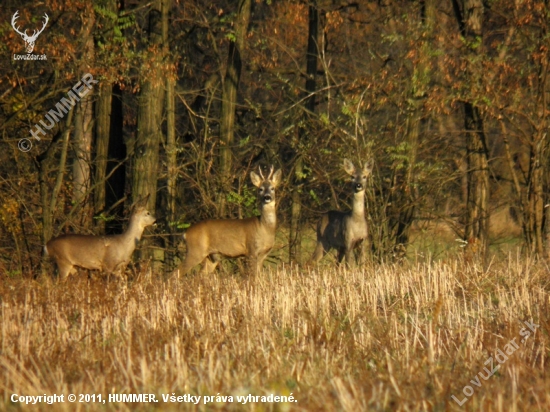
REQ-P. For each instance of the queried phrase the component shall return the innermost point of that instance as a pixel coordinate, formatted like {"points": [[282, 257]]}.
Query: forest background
{"points": [[449, 98]]}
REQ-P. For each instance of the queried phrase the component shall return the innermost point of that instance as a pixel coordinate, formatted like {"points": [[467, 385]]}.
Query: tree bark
{"points": [[103, 129], [49, 200], [103, 133], [229, 99], [538, 172], [476, 232], [149, 118], [83, 134], [415, 113], [477, 206], [171, 149], [149, 123], [312, 55], [538, 165], [535, 239]]}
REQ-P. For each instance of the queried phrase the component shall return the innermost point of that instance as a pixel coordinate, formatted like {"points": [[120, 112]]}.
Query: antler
{"points": [[268, 176], [35, 34], [13, 19], [24, 34]]}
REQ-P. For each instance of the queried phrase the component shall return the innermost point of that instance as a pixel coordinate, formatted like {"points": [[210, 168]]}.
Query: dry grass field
{"points": [[384, 338]]}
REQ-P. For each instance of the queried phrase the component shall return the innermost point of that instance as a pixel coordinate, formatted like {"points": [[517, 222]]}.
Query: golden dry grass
{"points": [[383, 338]]}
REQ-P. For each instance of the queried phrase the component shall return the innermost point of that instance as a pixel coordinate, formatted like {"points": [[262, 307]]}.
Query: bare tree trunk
{"points": [[229, 98], [103, 133], [538, 160], [83, 134], [82, 145], [418, 92], [49, 200], [149, 132], [476, 233], [295, 234], [149, 125], [103, 128], [519, 206], [171, 149], [406, 212], [547, 211], [536, 200], [477, 207]]}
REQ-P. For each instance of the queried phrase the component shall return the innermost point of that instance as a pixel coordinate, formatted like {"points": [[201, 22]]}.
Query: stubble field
{"points": [[383, 338]]}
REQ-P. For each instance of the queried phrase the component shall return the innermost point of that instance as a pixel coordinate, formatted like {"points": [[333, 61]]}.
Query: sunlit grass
{"points": [[384, 337]]}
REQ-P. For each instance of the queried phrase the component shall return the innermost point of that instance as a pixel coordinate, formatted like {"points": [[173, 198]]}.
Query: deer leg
{"points": [[260, 261], [210, 263], [349, 246], [341, 254], [350, 254], [119, 271], [255, 264], [252, 266], [350, 257], [318, 253], [189, 263], [65, 269], [323, 245], [360, 252]]}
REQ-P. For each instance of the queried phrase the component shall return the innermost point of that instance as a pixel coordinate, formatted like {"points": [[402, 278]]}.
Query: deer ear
{"points": [[142, 202], [256, 180], [369, 164], [349, 167], [276, 179]]}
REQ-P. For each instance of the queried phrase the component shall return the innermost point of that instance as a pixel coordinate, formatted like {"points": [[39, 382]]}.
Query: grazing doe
{"points": [[107, 253], [209, 240], [344, 231]]}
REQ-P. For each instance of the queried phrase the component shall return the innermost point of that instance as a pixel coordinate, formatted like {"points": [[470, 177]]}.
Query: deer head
{"points": [[29, 40]]}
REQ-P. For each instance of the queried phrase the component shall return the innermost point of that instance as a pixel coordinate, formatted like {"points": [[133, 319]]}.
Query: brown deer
{"points": [[209, 240], [345, 231], [110, 254]]}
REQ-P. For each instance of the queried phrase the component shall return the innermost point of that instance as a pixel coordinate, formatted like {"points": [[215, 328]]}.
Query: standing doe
{"points": [[106, 253], [344, 231], [253, 237]]}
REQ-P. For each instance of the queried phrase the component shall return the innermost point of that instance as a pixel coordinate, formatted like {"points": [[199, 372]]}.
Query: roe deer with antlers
{"points": [[209, 240], [110, 253], [344, 231]]}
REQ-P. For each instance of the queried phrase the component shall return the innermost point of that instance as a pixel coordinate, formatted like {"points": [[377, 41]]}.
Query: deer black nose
{"points": [[267, 198], [358, 187]]}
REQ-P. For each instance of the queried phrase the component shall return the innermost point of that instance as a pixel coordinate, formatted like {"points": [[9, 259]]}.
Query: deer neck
{"points": [[268, 217], [132, 235], [358, 210]]}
